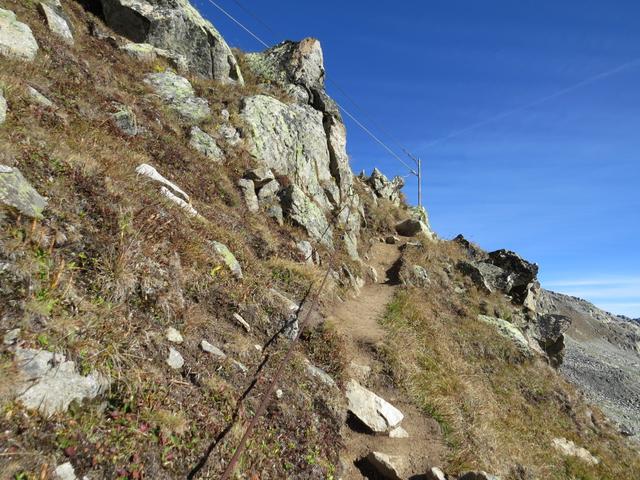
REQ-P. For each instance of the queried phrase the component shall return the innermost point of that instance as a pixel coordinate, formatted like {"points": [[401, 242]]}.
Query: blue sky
{"points": [[556, 182]]}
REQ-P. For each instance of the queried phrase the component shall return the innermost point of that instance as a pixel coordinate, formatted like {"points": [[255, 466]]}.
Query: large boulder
{"points": [[521, 272], [17, 192], [50, 382], [178, 93], [16, 39], [375, 412], [412, 228], [299, 208], [291, 141], [548, 330], [176, 26]]}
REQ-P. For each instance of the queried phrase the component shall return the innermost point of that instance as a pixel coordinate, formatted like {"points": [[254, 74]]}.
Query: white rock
{"points": [[16, 38], [51, 383], [3, 108], [39, 98], [390, 467], [11, 336], [375, 412], [65, 471], [174, 335], [279, 394], [178, 201], [570, 449], [57, 24], [240, 366], [242, 322], [398, 432], [152, 173], [435, 474], [212, 349], [320, 374], [175, 360], [258, 347]]}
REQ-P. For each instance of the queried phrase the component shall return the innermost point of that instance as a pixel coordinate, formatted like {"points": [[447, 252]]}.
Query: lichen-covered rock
{"points": [[299, 208], [17, 192], [510, 331], [176, 26], [16, 38], [3, 108], [178, 93], [125, 120], [297, 63], [57, 24], [51, 383], [175, 360], [146, 52], [291, 141], [205, 144], [228, 258]]}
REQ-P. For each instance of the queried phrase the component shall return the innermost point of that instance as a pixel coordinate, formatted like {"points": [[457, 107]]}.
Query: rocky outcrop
{"points": [[176, 26], [16, 38], [50, 382], [17, 192], [178, 93], [384, 188]]}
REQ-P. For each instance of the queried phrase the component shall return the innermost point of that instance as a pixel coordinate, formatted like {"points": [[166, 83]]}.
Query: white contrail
{"points": [[537, 102]]}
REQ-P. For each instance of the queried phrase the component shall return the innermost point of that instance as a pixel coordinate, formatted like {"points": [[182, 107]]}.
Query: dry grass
{"points": [[499, 410]]}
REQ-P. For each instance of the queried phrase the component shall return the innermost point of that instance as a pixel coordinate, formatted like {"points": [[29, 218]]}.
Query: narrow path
{"points": [[358, 321]]}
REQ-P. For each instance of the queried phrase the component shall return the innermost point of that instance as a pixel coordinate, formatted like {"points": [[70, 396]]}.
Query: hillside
{"points": [[177, 216]]}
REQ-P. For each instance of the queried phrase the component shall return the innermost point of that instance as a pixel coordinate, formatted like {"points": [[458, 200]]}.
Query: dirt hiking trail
{"points": [[357, 320]]}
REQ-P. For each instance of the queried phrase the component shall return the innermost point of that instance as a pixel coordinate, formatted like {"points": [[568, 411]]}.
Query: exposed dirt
{"points": [[357, 319]]}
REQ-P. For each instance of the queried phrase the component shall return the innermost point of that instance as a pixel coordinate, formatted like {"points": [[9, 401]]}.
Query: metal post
{"points": [[419, 182]]}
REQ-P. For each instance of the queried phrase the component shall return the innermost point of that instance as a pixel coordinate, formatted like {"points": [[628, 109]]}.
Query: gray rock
{"points": [[3, 108], [176, 26], [376, 413], [299, 208], [570, 449], [414, 275], [391, 240], [320, 374], [521, 272], [212, 349], [16, 38], [289, 309], [389, 467], [125, 120], [65, 471], [146, 52], [50, 383], [39, 98], [179, 95], [11, 337], [398, 432], [17, 192], [411, 228], [57, 24], [260, 176], [268, 192], [205, 144], [248, 190], [275, 211], [549, 331], [228, 258], [290, 140], [175, 360], [306, 251], [298, 63], [174, 335]]}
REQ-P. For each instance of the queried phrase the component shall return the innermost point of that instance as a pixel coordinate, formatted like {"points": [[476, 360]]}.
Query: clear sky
{"points": [[556, 182]]}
